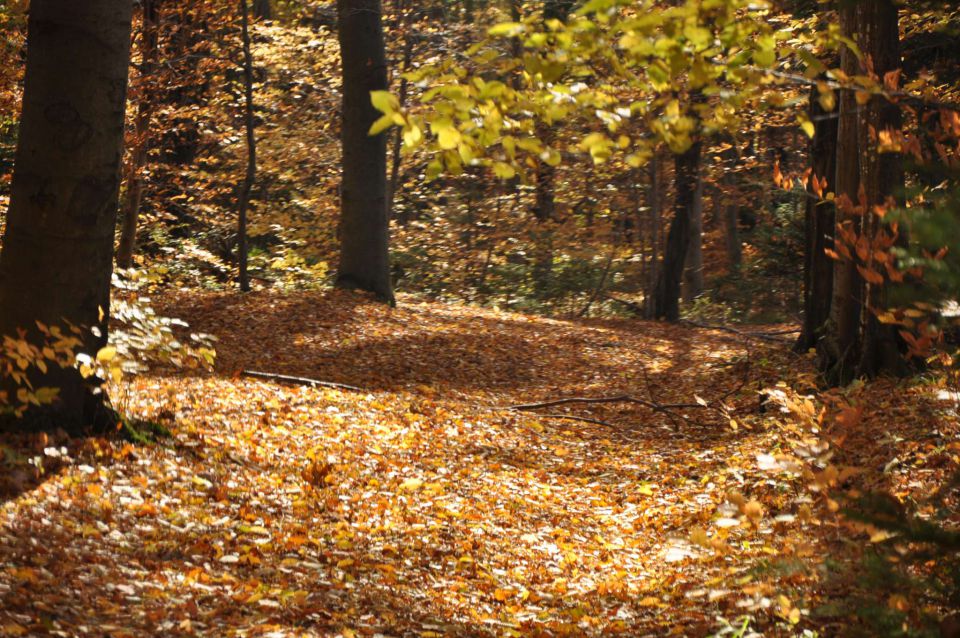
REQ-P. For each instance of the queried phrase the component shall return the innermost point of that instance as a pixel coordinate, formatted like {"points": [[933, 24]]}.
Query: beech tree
{"points": [[364, 229], [56, 262]]}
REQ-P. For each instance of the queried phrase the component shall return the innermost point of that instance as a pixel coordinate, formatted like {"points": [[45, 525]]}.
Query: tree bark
{"points": [[251, 173], [57, 255], [729, 201], [693, 272], [667, 292], [820, 217], [130, 212], [364, 230], [393, 185], [653, 203], [855, 344], [262, 10]]}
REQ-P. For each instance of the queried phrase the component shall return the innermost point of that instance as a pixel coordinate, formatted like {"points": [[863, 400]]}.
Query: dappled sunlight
{"points": [[281, 506]]}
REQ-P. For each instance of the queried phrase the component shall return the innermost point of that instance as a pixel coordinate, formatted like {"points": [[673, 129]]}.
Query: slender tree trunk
{"points": [[820, 218], [130, 212], [251, 172], [364, 229], [729, 201], [545, 206], [57, 256], [396, 158], [667, 292], [693, 273], [653, 203]]}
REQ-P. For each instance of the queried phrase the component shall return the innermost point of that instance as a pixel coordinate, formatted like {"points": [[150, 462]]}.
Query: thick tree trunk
{"points": [[130, 211], [364, 230], [57, 256], [855, 344], [820, 217], [883, 179], [667, 293]]}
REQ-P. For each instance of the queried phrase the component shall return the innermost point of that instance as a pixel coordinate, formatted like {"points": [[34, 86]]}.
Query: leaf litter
{"points": [[422, 506]]}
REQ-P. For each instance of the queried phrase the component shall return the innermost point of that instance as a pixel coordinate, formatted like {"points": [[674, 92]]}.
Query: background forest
{"points": [[479, 317]]}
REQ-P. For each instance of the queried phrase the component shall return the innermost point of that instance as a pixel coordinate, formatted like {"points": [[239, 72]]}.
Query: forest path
{"points": [[417, 508]]}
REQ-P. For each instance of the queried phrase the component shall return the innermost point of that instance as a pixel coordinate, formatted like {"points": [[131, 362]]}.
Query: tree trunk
{"points": [[653, 203], [262, 10], [883, 179], [545, 205], [393, 185], [364, 229], [729, 201], [855, 344], [251, 172], [130, 212], [693, 273], [820, 217], [57, 255], [667, 292], [557, 9]]}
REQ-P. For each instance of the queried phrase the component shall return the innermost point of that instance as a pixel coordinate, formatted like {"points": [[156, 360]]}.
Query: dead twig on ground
{"points": [[316, 383]]}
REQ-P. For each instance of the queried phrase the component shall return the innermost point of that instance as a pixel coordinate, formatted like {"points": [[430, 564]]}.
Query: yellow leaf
{"points": [[503, 170], [106, 354], [448, 137], [411, 484], [384, 102], [381, 125], [413, 135]]}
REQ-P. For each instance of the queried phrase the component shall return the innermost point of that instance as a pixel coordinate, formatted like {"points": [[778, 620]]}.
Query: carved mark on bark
{"points": [[43, 199], [71, 131]]}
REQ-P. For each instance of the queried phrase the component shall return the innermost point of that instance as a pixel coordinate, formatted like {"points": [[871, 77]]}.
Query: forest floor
{"points": [[422, 505]]}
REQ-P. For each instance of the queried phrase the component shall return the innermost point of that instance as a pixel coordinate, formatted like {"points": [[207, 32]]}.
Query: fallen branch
{"points": [[269, 376], [571, 417], [623, 398], [717, 405], [769, 336], [634, 307]]}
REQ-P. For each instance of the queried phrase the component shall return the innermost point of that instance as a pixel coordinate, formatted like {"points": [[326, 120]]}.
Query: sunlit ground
{"points": [[421, 507]]}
